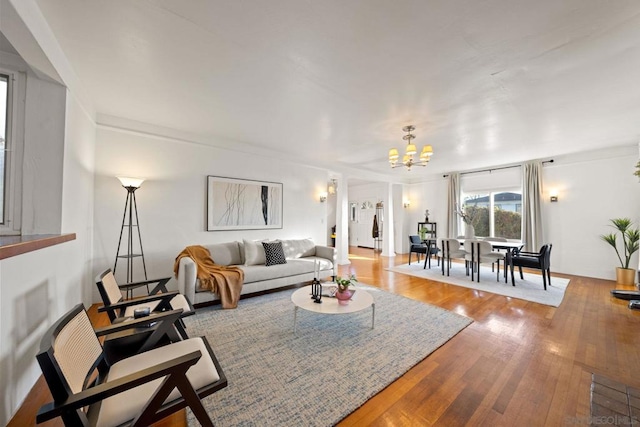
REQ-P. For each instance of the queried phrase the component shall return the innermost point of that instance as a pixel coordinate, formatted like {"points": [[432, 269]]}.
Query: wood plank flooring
{"points": [[519, 363]]}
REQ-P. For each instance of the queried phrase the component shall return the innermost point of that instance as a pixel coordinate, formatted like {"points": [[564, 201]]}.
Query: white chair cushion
{"points": [[454, 249], [125, 406], [180, 302]]}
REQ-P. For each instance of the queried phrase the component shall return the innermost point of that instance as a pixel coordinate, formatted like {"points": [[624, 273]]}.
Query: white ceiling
{"points": [[485, 83]]}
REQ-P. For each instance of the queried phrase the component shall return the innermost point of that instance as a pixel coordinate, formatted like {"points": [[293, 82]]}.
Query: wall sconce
{"points": [[406, 204], [323, 197], [332, 186], [553, 195]]}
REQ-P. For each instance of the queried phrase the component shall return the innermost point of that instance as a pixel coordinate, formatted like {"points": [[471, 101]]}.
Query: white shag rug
{"points": [[529, 289]]}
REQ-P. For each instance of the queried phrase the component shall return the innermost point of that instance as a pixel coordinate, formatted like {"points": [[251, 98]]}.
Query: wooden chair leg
{"points": [[521, 276]]}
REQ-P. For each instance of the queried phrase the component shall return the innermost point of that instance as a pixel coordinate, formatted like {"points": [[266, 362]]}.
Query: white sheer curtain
{"points": [[453, 200], [532, 231]]}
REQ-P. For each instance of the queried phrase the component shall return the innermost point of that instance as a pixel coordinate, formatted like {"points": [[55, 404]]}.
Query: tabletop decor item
{"points": [[344, 293], [630, 245], [316, 291], [467, 215]]}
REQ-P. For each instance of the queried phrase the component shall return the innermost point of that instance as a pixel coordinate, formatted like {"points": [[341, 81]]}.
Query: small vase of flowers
{"points": [[467, 216], [345, 288]]}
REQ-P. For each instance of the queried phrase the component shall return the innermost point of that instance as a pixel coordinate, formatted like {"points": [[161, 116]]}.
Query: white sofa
{"points": [[302, 256]]}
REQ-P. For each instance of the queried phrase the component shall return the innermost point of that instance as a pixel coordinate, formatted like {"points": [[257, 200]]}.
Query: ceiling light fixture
{"points": [[407, 159]]}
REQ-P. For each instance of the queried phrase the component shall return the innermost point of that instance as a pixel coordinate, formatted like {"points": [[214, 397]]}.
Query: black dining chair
{"points": [[536, 260], [416, 247]]}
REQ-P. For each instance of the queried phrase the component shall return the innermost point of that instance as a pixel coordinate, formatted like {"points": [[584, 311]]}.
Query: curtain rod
{"points": [[495, 169]]}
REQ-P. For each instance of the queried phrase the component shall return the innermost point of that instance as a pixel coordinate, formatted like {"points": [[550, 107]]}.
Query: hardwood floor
{"points": [[518, 363]]}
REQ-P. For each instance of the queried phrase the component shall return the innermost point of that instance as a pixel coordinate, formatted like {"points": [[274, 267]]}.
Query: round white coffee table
{"points": [[360, 300]]}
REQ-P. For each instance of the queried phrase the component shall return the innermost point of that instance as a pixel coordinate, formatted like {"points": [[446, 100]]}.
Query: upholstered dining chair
{"points": [[416, 247], [495, 239], [481, 251], [116, 307], [451, 250], [138, 390], [540, 260]]}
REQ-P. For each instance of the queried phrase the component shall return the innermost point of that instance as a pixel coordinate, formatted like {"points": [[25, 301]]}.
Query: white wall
{"points": [[592, 189], [430, 195], [171, 202], [43, 156], [38, 287]]}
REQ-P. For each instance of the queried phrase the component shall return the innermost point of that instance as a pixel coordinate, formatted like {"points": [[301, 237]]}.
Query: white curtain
{"points": [[532, 231], [453, 200]]}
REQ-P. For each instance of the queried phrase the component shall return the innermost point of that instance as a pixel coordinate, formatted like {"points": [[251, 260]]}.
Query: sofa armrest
{"points": [[187, 276], [328, 253]]}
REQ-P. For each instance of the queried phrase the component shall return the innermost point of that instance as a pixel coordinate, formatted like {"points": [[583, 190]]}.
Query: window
{"points": [[12, 96], [495, 214], [4, 111]]}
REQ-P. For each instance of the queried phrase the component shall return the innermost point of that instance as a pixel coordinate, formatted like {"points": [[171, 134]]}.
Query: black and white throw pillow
{"points": [[274, 254]]}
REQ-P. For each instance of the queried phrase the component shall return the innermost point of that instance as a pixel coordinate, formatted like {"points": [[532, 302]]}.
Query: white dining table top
{"points": [[499, 245]]}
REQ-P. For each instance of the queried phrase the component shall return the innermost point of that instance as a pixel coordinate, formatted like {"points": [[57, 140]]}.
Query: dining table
{"points": [[509, 246]]}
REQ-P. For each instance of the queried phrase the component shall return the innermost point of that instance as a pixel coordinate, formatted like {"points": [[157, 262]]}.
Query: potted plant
{"points": [[344, 294], [630, 244]]}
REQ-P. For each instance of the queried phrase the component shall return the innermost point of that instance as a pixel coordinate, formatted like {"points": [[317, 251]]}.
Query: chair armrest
{"points": [[160, 287], [528, 254], [187, 276], [128, 303], [165, 316], [102, 391], [329, 253]]}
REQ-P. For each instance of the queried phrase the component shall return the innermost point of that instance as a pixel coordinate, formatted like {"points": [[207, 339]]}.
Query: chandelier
{"points": [[410, 151]]}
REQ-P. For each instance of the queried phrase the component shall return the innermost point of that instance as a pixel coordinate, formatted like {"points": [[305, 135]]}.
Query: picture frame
{"points": [[243, 204]]}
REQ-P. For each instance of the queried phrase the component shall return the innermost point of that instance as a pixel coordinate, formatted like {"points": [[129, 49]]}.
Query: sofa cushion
{"points": [[256, 273], [274, 254], [225, 253], [298, 248], [253, 253]]}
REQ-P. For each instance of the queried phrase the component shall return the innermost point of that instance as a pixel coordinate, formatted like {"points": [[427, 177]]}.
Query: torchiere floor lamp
{"points": [[130, 207]]}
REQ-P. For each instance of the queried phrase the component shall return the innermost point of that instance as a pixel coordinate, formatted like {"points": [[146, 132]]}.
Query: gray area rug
{"points": [[333, 365], [529, 289]]}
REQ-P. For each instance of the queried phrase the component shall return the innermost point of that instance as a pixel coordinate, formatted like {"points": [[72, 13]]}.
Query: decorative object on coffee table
{"points": [[316, 286], [316, 291], [344, 293]]}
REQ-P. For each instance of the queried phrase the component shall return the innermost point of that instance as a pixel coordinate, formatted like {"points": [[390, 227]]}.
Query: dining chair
{"points": [[451, 250], [481, 251], [416, 247], [432, 249], [495, 239], [138, 390], [540, 260]]}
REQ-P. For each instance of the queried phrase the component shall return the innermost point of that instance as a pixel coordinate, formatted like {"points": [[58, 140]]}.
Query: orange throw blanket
{"points": [[223, 280]]}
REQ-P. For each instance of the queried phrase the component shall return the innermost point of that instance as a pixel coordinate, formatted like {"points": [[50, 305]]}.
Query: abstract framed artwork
{"points": [[242, 204]]}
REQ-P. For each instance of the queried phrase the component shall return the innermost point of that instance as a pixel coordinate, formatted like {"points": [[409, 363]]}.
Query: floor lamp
{"points": [[130, 208]]}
